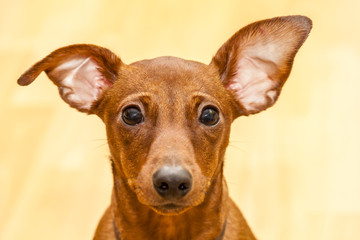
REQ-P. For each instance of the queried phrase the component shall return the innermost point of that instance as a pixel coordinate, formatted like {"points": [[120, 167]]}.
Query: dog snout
{"points": [[172, 182]]}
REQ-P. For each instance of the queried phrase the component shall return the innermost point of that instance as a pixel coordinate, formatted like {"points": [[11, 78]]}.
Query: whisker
{"points": [[100, 146], [233, 183], [236, 147]]}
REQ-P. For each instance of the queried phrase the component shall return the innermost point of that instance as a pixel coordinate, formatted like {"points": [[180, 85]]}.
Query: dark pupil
{"points": [[132, 116], [209, 116]]}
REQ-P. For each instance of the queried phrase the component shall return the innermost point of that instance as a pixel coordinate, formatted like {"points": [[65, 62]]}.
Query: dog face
{"points": [[182, 118], [167, 119]]}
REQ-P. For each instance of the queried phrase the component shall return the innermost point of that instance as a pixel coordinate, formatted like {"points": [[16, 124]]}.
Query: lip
{"points": [[169, 209], [171, 206]]}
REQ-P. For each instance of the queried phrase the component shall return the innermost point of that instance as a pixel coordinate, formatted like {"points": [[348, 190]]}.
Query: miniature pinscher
{"points": [[168, 125]]}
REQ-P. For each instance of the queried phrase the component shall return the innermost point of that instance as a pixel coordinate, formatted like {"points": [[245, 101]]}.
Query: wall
{"points": [[294, 169]]}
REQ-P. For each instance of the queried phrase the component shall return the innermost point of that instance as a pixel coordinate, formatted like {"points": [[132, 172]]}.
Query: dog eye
{"points": [[132, 116], [209, 116]]}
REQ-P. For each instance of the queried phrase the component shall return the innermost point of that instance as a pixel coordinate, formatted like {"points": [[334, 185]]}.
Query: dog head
{"points": [[168, 119]]}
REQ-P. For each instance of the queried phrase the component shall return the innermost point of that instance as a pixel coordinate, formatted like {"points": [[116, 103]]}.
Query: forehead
{"points": [[173, 75], [169, 81]]}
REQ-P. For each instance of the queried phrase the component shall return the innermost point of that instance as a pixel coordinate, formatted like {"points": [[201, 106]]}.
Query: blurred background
{"points": [[294, 170]]}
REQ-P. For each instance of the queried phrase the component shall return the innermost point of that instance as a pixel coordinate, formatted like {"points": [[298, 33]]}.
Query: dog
{"points": [[168, 125]]}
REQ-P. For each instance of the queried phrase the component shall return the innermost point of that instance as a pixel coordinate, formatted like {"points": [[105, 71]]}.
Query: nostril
{"points": [[182, 187], [164, 186]]}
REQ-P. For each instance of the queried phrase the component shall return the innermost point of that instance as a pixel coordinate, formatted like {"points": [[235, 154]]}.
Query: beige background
{"points": [[294, 170]]}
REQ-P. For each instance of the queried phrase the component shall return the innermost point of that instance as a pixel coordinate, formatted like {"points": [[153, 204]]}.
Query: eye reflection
{"points": [[132, 116], [209, 116]]}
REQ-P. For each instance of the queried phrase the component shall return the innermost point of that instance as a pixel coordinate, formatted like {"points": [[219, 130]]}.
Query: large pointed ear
{"points": [[256, 61], [82, 73]]}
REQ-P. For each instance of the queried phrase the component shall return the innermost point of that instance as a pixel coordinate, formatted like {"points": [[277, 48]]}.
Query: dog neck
{"points": [[133, 220]]}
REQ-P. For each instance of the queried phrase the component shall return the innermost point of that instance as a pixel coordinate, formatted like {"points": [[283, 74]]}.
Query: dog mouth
{"points": [[170, 209]]}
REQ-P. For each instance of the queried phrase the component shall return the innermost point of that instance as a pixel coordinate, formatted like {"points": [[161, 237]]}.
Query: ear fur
{"points": [[82, 73], [256, 61]]}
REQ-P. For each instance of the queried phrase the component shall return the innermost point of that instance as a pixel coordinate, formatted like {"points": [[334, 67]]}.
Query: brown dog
{"points": [[168, 124]]}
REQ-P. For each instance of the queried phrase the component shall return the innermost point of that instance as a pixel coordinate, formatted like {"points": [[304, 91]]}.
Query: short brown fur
{"points": [[171, 96]]}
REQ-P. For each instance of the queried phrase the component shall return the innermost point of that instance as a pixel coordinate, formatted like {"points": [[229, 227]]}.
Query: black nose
{"points": [[172, 182]]}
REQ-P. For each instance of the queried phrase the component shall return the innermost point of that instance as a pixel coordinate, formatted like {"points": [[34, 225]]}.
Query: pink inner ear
{"points": [[253, 85], [80, 82], [256, 61]]}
